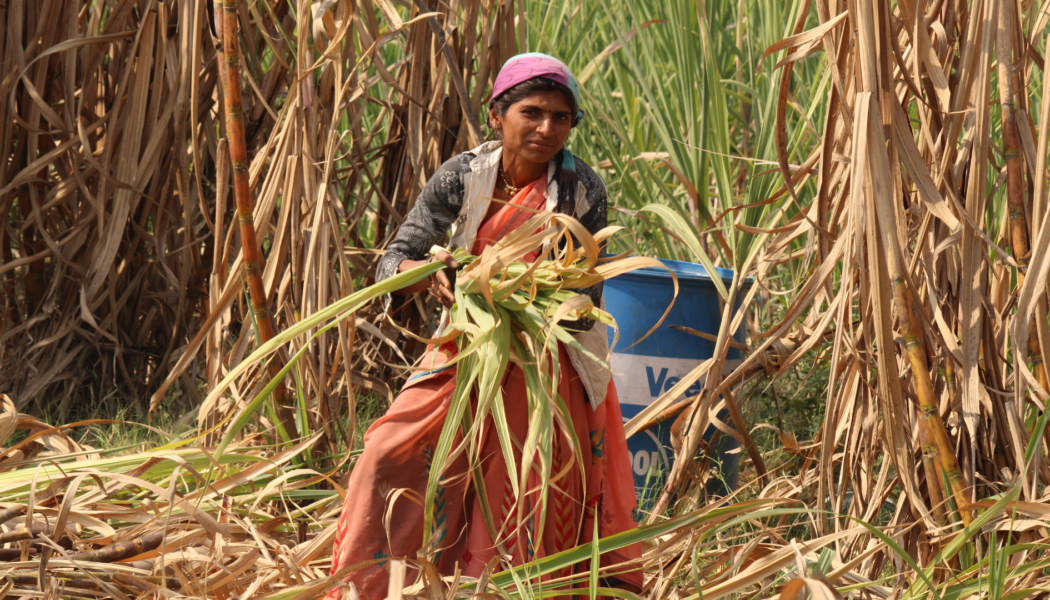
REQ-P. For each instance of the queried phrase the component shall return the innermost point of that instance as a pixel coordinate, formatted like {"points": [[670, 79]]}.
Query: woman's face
{"points": [[536, 127]]}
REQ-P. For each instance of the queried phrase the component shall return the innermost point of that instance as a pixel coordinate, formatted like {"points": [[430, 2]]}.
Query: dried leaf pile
{"points": [[168, 522], [183, 521]]}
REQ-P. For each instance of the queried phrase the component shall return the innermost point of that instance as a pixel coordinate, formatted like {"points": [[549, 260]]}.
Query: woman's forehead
{"points": [[547, 99]]}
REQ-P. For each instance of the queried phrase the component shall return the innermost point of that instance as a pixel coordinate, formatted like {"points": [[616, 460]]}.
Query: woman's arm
{"points": [[428, 221]]}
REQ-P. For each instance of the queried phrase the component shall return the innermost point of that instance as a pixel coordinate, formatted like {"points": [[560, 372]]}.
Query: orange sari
{"points": [[398, 450]]}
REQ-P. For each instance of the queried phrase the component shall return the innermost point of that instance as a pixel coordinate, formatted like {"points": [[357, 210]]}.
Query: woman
{"points": [[535, 105]]}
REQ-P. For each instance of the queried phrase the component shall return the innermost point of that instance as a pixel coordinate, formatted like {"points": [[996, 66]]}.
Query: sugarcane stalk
{"points": [[950, 382], [943, 451], [749, 442], [11, 512], [1015, 193], [941, 446], [9, 554], [59, 596], [8, 537], [250, 251], [122, 550], [69, 583], [933, 474], [89, 578]]}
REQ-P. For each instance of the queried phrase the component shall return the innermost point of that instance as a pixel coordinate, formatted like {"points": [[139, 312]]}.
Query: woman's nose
{"points": [[546, 126]]}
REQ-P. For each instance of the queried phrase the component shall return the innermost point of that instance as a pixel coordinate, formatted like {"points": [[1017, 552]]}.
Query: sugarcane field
{"points": [[523, 299]]}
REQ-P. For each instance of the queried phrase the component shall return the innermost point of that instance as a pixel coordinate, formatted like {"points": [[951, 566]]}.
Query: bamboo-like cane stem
{"points": [[1015, 192], [902, 296], [122, 550], [933, 474], [253, 259], [941, 444], [8, 537]]}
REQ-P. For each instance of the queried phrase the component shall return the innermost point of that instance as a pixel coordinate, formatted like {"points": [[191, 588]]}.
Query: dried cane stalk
{"points": [[902, 296], [1015, 193], [122, 550], [253, 259], [8, 537], [933, 474], [941, 443]]}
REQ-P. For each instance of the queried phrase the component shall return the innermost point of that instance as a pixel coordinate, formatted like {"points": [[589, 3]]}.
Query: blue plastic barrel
{"points": [[645, 371]]}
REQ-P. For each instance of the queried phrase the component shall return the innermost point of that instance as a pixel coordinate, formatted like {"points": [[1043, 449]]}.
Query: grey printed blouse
{"points": [[441, 201]]}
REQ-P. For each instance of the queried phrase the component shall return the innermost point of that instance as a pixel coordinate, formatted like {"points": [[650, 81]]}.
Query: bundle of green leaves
{"points": [[509, 311]]}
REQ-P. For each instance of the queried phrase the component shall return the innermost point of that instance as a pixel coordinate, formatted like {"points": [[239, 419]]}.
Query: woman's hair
{"points": [[525, 89]]}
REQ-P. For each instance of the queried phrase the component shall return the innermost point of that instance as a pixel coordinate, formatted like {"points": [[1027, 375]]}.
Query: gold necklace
{"points": [[508, 189]]}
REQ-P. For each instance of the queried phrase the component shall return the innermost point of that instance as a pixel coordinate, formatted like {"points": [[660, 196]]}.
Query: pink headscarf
{"points": [[524, 67]]}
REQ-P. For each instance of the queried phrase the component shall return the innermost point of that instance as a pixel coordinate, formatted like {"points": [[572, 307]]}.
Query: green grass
{"points": [[688, 84]]}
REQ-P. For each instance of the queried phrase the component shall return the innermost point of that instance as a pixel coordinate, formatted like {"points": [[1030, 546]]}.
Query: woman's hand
{"points": [[438, 284]]}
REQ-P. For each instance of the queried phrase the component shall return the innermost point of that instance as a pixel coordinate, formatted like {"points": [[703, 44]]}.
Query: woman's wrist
{"points": [[408, 264], [439, 283]]}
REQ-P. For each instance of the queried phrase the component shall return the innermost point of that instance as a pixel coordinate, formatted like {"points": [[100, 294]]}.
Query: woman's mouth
{"points": [[540, 145]]}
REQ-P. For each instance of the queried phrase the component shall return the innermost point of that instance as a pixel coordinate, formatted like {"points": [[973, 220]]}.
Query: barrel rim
{"points": [[676, 267]]}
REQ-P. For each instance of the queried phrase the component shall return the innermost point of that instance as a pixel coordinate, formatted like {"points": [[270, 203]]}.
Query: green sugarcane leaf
{"points": [[924, 583], [328, 315], [495, 357], [704, 517], [506, 441], [684, 230], [466, 374], [595, 560]]}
